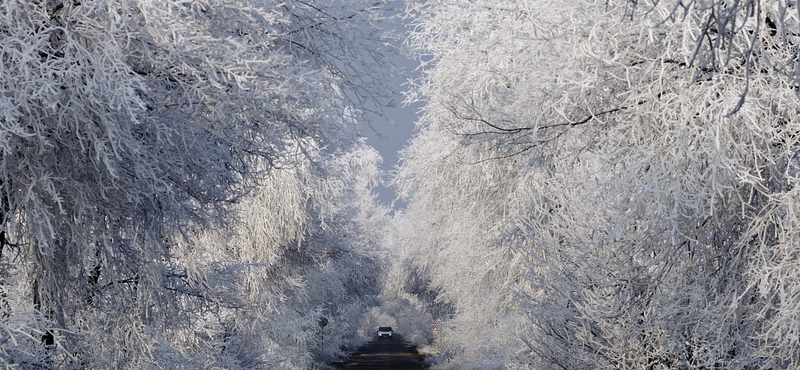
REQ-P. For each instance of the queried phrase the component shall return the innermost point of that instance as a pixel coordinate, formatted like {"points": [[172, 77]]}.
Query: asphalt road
{"points": [[386, 354]]}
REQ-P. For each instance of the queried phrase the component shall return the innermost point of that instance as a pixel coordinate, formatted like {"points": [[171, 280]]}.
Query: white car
{"points": [[385, 332]]}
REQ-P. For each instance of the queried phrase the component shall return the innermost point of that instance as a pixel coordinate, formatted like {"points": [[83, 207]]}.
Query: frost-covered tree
{"points": [[305, 253], [456, 236], [132, 127], [647, 156]]}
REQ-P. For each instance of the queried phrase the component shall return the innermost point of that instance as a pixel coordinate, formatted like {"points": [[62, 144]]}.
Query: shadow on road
{"points": [[385, 354]]}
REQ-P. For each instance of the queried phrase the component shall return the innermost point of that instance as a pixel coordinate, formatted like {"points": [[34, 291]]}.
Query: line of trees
{"points": [[607, 184], [182, 184]]}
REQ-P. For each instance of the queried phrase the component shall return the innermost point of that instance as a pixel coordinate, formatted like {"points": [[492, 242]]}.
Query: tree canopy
{"points": [[622, 175], [593, 184], [175, 174]]}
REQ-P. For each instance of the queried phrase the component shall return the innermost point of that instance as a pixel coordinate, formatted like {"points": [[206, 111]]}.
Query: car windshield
{"points": [[385, 328]]}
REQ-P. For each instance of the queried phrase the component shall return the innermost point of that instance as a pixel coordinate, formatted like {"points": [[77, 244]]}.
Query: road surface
{"points": [[386, 354]]}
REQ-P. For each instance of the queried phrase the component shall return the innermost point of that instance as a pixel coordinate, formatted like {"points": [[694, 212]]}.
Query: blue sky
{"points": [[389, 138]]}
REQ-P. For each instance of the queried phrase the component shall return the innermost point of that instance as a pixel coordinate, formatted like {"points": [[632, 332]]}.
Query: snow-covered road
{"points": [[386, 354]]}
